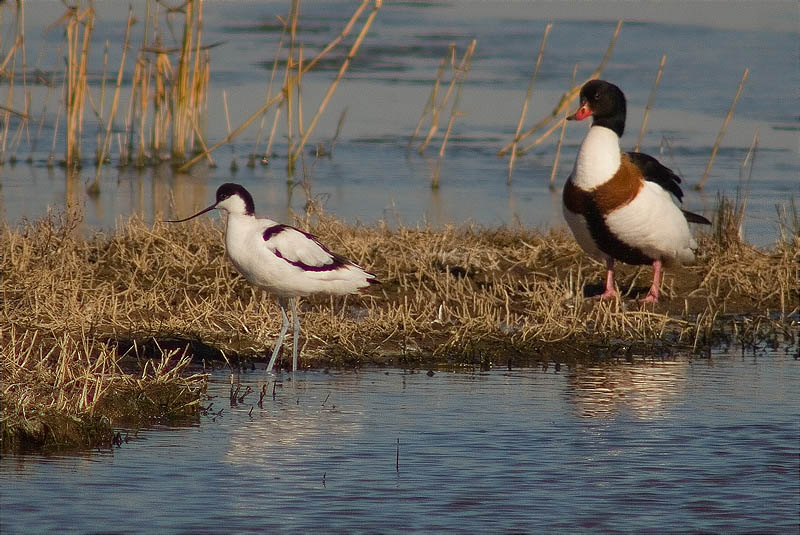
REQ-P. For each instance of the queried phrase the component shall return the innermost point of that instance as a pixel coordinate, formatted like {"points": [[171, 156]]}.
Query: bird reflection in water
{"points": [[644, 390]]}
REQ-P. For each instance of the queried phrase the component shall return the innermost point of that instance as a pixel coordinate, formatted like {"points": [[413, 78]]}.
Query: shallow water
{"points": [[370, 176], [683, 445]]}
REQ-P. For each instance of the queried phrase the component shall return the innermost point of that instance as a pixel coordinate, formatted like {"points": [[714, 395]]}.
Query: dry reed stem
{"points": [[436, 110], [566, 98], [560, 123], [227, 115], [290, 82], [330, 46], [198, 90], [460, 75], [232, 135], [430, 104], [300, 91], [20, 114], [16, 48], [561, 136], [99, 110], [115, 100], [335, 138], [267, 96], [9, 102], [454, 111], [52, 156], [181, 89], [650, 101], [345, 65], [528, 95], [722, 130], [76, 86]]}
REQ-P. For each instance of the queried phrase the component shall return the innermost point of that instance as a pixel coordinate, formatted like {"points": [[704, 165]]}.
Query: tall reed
{"points": [[181, 96], [345, 65], [561, 136], [650, 101], [722, 130], [455, 111], [431, 103], [291, 76], [528, 95], [565, 100], [106, 143], [78, 47]]}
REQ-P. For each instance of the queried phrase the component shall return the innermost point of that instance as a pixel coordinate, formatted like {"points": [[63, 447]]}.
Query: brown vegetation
{"points": [[446, 293], [74, 306], [68, 390]]}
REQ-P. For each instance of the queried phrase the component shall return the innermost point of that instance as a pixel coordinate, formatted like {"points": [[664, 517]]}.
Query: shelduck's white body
{"points": [[620, 206]]}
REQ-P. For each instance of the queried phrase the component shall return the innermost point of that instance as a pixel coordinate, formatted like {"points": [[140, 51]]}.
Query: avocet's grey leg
{"points": [[284, 327], [295, 333]]}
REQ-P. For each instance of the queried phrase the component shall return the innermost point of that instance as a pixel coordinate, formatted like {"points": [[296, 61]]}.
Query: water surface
{"points": [[370, 175], [682, 445]]}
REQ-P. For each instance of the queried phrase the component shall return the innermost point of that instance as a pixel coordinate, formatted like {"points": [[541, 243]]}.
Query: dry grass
{"points": [[446, 293], [73, 306], [67, 390]]}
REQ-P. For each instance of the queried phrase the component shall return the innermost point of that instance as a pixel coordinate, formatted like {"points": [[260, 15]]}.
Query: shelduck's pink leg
{"points": [[652, 296], [610, 291]]}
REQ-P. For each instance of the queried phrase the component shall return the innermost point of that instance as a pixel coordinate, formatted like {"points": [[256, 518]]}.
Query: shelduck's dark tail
{"points": [[695, 218]]}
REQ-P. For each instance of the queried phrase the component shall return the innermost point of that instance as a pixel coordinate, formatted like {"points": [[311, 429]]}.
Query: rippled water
{"points": [[370, 175], [685, 445]]}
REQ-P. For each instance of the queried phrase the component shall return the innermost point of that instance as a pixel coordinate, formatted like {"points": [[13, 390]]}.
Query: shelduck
{"points": [[282, 259], [618, 205]]}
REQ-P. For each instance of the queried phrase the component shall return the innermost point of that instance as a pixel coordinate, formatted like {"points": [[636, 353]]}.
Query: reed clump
{"points": [[70, 390], [463, 294], [159, 104]]}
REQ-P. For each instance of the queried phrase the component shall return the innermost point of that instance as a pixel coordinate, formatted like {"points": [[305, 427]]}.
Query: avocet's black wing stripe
{"points": [[301, 249]]}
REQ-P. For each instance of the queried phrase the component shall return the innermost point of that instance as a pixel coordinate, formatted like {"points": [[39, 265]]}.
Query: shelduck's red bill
{"points": [[201, 212], [581, 113]]}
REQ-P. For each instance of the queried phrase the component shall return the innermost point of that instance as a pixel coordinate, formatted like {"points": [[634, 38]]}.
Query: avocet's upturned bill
{"points": [[282, 259]]}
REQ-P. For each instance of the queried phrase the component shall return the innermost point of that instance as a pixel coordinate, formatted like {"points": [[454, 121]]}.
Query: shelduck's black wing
{"points": [[691, 217], [653, 171]]}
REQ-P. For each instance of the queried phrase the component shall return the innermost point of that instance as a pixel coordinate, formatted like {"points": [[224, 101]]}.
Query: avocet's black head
{"points": [[605, 102], [235, 199], [232, 198]]}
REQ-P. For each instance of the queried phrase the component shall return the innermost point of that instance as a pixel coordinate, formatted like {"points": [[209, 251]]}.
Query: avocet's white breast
{"points": [[244, 244], [598, 158]]}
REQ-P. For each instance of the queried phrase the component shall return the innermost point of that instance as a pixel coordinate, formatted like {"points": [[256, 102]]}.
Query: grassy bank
{"points": [[76, 310], [69, 391]]}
